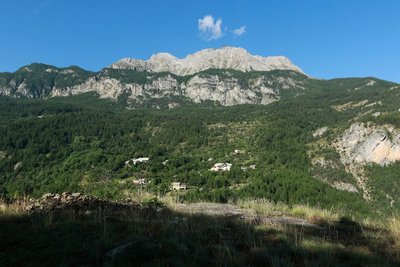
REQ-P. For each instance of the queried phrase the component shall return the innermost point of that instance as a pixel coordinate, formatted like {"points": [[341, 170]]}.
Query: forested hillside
{"points": [[82, 143]]}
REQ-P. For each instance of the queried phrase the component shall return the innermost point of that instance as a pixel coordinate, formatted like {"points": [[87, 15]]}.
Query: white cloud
{"points": [[239, 31], [209, 28]]}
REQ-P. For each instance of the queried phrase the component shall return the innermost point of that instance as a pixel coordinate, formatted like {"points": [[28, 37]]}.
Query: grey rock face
{"points": [[345, 187], [225, 90], [360, 145], [376, 144], [223, 58], [164, 76], [319, 132]]}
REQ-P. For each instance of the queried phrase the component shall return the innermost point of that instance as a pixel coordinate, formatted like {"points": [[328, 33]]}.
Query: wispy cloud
{"points": [[209, 28], [239, 31]]}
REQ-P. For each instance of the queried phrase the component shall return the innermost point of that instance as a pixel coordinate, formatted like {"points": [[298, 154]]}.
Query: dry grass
{"points": [[138, 196], [15, 208], [169, 201], [394, 229], [201, 239], [268, 208], [264, 207], [315, 215]]}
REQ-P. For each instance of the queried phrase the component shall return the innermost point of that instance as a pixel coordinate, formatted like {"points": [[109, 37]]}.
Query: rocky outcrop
{"points": [[222, 58], [17, 166], [319, 132], [226, 90], [362, 144], [325, 170], [75, 201], [345, 187]]}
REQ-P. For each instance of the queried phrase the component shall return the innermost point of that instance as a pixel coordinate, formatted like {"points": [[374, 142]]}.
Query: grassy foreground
{"points": [[159, 235]]}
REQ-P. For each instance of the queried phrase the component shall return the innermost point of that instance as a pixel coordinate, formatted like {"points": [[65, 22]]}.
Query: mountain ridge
{"points": [[224, 76], [227, 57]]}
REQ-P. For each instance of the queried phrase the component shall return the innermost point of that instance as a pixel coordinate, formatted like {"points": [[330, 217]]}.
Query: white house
{"points": [[221, 167], [177, 186]]}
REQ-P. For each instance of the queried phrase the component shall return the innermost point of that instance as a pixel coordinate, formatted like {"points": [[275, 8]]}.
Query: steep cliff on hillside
{"points": [[363, 144], [226, 88]]}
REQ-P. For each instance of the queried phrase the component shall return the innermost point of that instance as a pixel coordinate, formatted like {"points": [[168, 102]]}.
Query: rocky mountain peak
{"points": [[226, 57], [162, 56]]}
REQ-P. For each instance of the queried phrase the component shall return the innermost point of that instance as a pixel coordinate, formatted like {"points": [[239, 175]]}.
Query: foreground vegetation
{"points": [[159, 235]]}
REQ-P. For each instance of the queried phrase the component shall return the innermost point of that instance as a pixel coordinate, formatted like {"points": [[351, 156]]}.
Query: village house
{"points": [[177, 186], [221, 167]]}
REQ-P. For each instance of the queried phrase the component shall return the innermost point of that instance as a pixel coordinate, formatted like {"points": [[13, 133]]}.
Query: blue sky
{"points": [[326, 38]]}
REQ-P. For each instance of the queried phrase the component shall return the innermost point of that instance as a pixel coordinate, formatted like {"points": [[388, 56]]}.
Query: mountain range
{"points": [[226, 76], [234, 58]]}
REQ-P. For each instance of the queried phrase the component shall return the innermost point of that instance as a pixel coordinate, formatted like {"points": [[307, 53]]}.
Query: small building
{"points": [[177, 186], [136, 161], [221, 167]]}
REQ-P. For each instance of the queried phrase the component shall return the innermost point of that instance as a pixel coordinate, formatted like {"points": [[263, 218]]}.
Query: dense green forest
{"points": [[81, 143]]}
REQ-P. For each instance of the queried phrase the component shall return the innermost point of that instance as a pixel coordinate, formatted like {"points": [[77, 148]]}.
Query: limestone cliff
{"points": [[225, 90], [222, 58], [226, 76], [361, 144]]}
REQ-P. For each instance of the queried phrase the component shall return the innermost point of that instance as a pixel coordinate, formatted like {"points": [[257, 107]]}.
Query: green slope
{"points": [[81, 143]]}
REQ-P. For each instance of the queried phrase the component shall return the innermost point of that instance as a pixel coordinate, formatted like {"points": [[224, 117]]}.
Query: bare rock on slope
{"points": [[225, 90], [221, 58], [362, 144]]}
